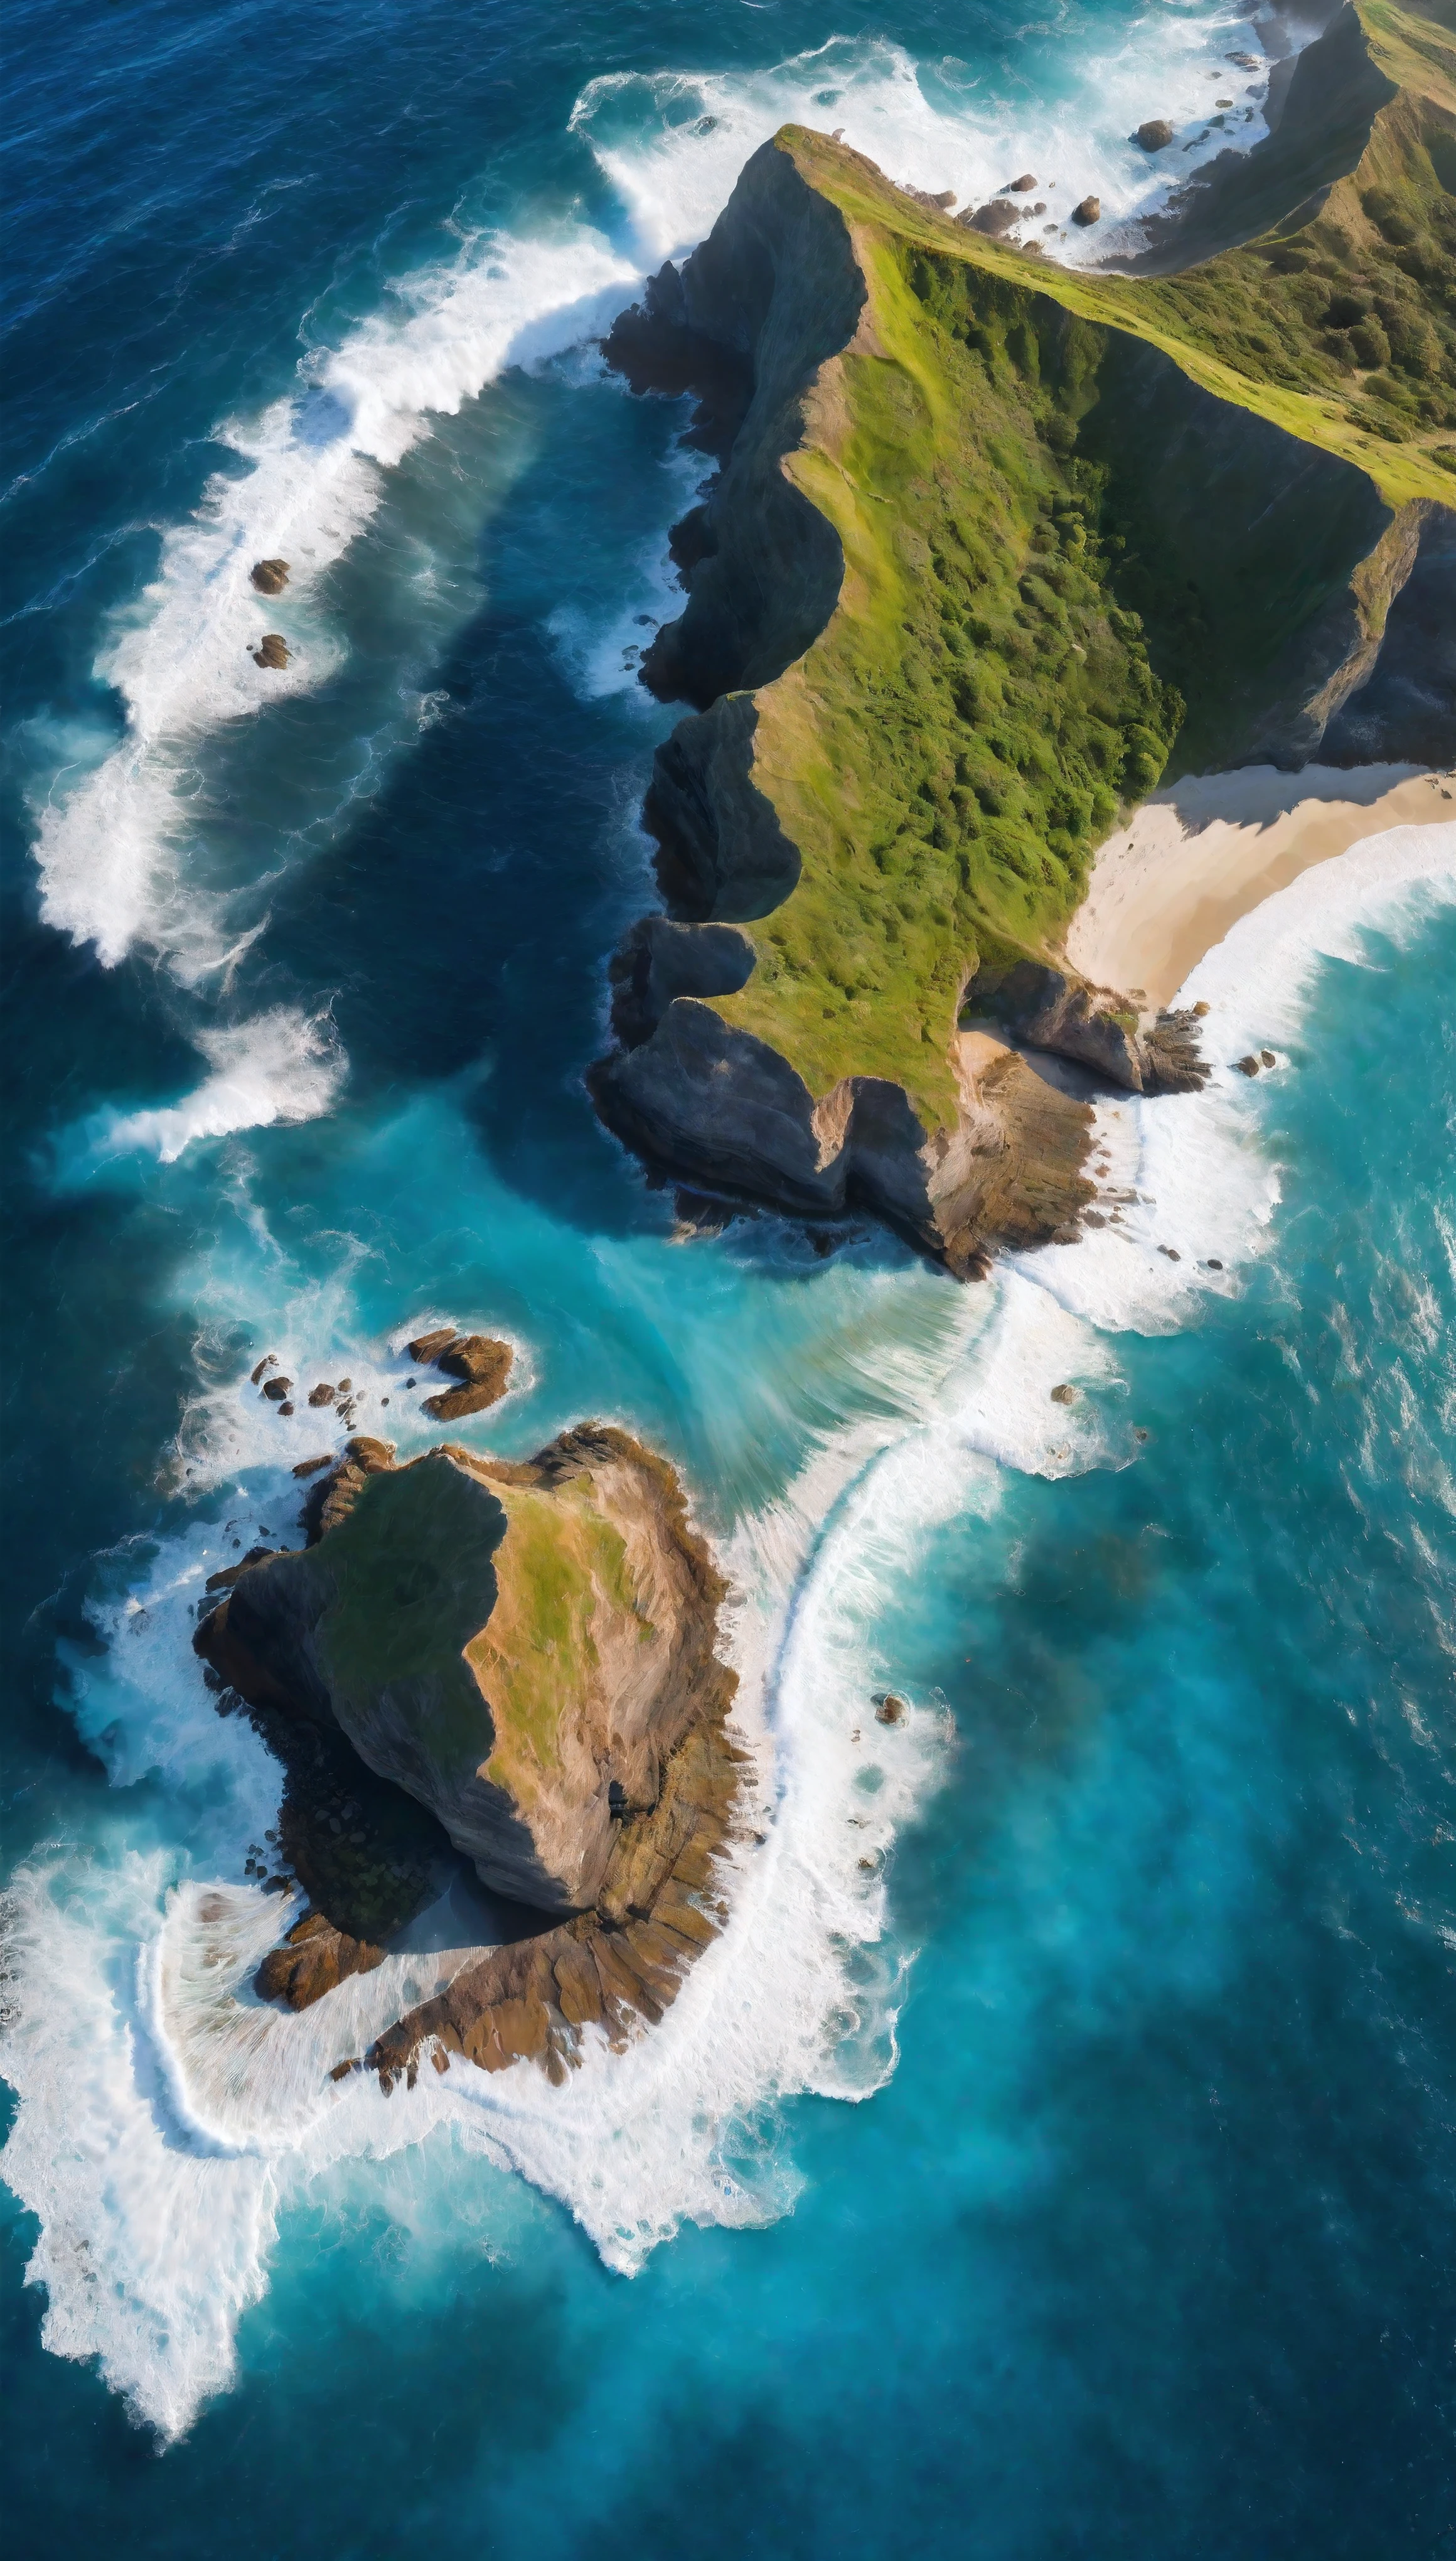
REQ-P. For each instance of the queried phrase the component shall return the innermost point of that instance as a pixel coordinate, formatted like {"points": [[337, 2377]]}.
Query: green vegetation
{"points": [[1025, 606], [978, 654], [561, 1568]]}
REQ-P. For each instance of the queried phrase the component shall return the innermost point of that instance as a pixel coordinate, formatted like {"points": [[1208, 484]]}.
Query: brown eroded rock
{"points": [[1064, 1395], [1089, 210], [271, 652], [485, 1367], [311, 1959], [994, 219], [1156, 134], [624, 1960], [1021, 186], [277, 1389], [270, 577], [429, 1347]]}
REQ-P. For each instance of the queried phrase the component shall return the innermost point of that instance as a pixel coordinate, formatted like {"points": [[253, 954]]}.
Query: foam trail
{"points": [[282, 1066], [673, 142], [116, 849]]}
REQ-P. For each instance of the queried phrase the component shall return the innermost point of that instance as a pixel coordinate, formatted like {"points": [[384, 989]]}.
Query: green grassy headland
{"points": [[1028, 620]]}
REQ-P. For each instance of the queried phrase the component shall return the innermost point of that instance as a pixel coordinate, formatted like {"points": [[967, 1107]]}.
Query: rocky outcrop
{"points": [[658, 1909], [482, 1363], [271, 652], [517, 1647], [313, 1959], [701, 1098], [1054, 1010], [270, 577]]}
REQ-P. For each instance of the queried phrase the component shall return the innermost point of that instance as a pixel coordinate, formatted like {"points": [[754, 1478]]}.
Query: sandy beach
{"points": [[1196, 858]]}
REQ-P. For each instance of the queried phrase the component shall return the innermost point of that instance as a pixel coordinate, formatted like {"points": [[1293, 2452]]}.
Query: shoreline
{"points": [[1168, 887]]}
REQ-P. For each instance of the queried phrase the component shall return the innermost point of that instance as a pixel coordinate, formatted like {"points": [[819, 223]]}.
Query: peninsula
{"points": [[993, 546]]}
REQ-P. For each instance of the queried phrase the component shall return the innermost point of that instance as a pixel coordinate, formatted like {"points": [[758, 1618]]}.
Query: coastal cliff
{"points": [[989, 544]]}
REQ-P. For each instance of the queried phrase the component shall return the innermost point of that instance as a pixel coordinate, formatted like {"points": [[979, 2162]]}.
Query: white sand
{"points": [[1195, 858]]}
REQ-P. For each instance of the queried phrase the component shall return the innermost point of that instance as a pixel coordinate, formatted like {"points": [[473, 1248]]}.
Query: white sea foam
{"points": [[280, 1066], [119, 860], [673, 142]]}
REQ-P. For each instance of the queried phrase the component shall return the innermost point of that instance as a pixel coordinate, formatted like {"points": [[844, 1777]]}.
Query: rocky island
{"points": [[525, 1650], [992, 546]]}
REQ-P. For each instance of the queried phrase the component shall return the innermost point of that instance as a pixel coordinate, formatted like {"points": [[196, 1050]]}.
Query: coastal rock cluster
{"points": [[516, 1659]]}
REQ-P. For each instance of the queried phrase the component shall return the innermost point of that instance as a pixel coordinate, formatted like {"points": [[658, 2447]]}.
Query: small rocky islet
{"points": [[514, 1660]]}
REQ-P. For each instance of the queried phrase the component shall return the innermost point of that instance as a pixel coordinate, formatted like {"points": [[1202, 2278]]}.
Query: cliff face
{"points": [[518, 1647]]}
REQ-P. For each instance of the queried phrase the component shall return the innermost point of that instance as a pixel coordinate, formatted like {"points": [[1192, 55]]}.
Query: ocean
{"points": [[1055, 2155]]}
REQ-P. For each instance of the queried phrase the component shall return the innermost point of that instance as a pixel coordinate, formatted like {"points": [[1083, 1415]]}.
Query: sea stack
{"points": [[518, 1645]]}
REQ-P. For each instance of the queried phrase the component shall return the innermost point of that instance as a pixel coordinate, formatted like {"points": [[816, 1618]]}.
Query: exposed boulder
{"points": [[1156, 134], [1089, 210], [270, 577], [484, 1367], [994, 219], [482, 1364], [312, 1959], [271, 652], [1021, 186]]}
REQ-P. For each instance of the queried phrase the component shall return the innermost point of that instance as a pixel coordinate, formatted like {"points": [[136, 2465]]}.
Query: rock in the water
{"points": [[482, 1363], [505, 1641], [1089, 210], [993, 218], [1201, 1008], [1022, 186], [277, 1387], [323, 1394], [270, 577], [429, 1347], [311, 1467], [1247, 1066], [266, 1362], [478, 1359], [1267, 1057], [312, 1959], [1064, 1395], [453, 1403], [889, 1708], [271, 652], [1156, 134]]}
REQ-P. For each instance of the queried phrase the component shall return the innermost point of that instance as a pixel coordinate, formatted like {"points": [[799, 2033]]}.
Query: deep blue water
{"points": [[1061, 2161]]}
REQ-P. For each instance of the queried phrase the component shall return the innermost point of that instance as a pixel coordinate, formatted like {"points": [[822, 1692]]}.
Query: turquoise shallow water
{"points": [[1074, 2175]]}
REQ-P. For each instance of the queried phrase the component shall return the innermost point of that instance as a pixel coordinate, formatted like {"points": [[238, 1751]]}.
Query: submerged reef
{"points": [[992, 546], [515, 1660]]}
